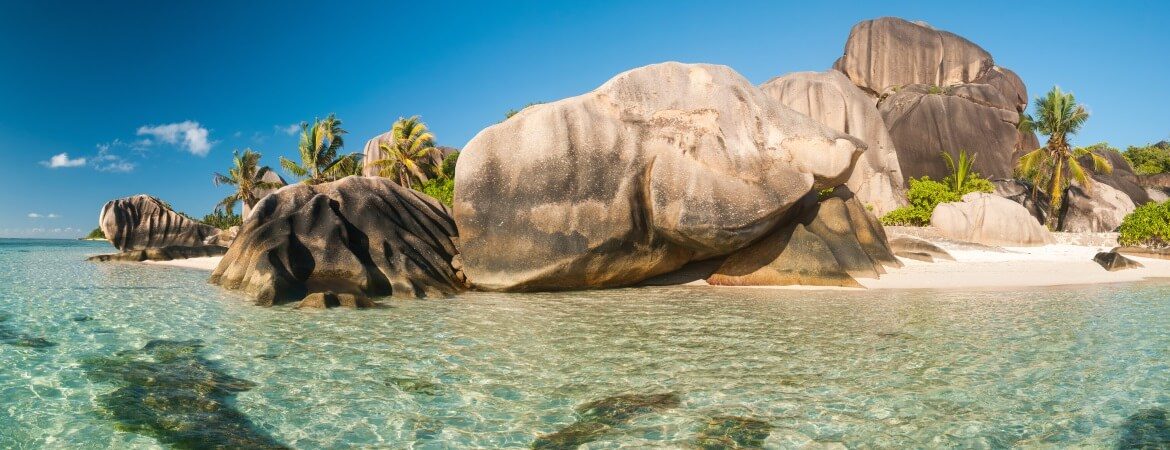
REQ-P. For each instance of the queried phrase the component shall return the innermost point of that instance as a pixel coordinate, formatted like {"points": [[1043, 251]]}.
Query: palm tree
{"points": [[408, 153], [245, 176], [318, 148], [1055, 164]]}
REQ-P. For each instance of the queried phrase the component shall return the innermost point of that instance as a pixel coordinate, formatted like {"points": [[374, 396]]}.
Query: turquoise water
{"points": [[130, 356]]}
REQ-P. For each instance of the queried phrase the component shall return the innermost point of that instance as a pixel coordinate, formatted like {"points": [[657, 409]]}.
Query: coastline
{"points": [[1009, 267]]}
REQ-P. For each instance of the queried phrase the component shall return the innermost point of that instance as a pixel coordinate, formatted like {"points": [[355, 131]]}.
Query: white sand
{"points": [[207, 263]]}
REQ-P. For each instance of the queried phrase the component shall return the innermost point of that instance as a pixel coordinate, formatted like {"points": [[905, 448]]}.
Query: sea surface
{"points": [[116, 356]]}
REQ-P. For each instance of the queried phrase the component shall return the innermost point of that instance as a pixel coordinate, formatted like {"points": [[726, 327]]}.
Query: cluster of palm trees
{"points": [[408, 158]]}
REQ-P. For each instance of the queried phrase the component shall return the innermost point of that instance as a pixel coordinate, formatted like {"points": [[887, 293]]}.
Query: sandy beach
{"points": [[1050, 265]]}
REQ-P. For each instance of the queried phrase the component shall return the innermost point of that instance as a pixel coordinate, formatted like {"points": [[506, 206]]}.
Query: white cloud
{"points": [[34, 216], [193, 136], [53, 216], [109, 162], [287, 129], [63, 160]]}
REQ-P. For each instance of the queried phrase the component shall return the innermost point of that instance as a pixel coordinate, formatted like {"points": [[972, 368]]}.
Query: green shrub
{"points": [[1148, 226], [96, 234], [924, 194], [1149, 160], [223, 220], [448, 167], [441, 188]]}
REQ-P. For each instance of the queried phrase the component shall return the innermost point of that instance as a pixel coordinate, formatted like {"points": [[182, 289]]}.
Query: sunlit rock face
{"points": [[938, 92], [661, 165], [989, 219], [831, 99], [359, 235], [141, 222]]}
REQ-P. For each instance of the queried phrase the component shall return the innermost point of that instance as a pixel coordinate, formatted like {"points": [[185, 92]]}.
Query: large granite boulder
{"points": [[1100, 208], [1021, 191], [925, 121], [938, 92], [989, 219], [141, 222], [831, 99], [1122, 177], [661, 165], [830, 244], [266, 175], [359, 235]]}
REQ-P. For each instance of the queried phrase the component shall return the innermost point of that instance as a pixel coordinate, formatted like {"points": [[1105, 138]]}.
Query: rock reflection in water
{"points": [[598, 418]]}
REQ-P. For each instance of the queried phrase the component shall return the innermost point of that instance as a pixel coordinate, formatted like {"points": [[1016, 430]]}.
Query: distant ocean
{"points": [[130, 356]]}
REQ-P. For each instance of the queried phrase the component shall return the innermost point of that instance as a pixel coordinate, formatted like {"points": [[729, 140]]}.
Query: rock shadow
{"points": [[12, 336], [172, 393], [725, 432], [1147, 429], [598, 418]]}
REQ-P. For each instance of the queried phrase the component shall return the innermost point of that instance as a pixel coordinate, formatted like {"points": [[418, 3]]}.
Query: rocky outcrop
{"points": [[938, 92], [266, 175], [926, 121], [1100, 208], [832, 243], [831, 99], [918, 249], [989, 219], [359, 235], [1121, 177], [142, 222], [372, 152], [1144, 252], [1020, 191], [224, 238], [323, 300], [162, 254], [1113, 261], [660, 166]]}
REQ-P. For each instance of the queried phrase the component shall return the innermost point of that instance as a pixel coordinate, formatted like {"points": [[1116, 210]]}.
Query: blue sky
{"points": [[156, 95]]}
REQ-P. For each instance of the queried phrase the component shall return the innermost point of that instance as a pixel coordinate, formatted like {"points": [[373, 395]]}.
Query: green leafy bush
{"points": [[1147, 226], [222, 220], [1149, 160], [924, 194], [96, 234], [441, 188], [448, 167]]}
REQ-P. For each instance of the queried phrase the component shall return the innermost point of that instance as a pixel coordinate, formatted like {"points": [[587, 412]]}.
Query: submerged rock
{"points": [[828, 245], [142, 222], [989, 219], [12, 336], [730, 432], [660, 166], [1147, 429], [598, 418], [1113, 261], [170, 392], [161, 254], [365, 236]]}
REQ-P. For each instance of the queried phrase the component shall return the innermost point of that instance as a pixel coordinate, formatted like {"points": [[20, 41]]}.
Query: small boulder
{"points": [[1021, 191], [1113, 261], [918, 249], [224, 238], [990, 220], [1100, 208], [141, 222], [323, 300]]}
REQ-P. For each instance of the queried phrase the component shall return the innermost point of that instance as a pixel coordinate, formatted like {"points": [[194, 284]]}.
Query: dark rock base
{"points": [[162, 254]]}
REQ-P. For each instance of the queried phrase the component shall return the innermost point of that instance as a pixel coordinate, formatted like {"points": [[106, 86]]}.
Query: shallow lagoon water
{"points": [[1050, 367]]}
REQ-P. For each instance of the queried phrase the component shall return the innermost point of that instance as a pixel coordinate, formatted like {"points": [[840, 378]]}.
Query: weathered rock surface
{"points": [[359, 235], [224, 238], [829, 245], [914, 248], [661, 165], [1144, 252], [938, 92], [1113, 261], [323, 300], [162, 254], [141, 222], [923, 124], [373, 153], [1157, 195], [267, 175], [1101, 208], [1035, 201], [831, 99], [989, 219], [1121, 177], [889, 52]]}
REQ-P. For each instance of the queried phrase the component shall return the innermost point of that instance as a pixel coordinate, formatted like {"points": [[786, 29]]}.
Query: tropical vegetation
{"points": [[1148, 225], [319, 149], [245, 176], [1150, 159], [407, 156], [1055, 165], [97, 233], [924, 194], [223, 219]]}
